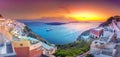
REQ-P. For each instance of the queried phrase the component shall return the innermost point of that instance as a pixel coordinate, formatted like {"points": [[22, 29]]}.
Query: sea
{"points": [[60, 34]]}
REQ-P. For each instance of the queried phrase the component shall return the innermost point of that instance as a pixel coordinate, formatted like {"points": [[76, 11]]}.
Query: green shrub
{"points": [[72, 49], [89, 55]]}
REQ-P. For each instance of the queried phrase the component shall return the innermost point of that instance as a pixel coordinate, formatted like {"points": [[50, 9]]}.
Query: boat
{"points": [[50, 29]]}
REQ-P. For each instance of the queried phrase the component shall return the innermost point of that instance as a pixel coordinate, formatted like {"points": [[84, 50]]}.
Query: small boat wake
{"points": [[50, 29]]}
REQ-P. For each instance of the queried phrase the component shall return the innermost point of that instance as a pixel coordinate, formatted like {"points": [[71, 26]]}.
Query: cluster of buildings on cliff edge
{"points": [[14, 43], [107, 43]]}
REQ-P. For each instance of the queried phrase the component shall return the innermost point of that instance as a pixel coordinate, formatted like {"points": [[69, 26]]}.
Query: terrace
{"points": [[7, 50]]}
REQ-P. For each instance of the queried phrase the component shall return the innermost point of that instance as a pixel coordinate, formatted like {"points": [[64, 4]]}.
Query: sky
{"points": [[82, 10]]}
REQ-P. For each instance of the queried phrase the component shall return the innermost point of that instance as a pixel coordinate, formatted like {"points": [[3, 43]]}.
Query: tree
{"points": [[89, 55]]}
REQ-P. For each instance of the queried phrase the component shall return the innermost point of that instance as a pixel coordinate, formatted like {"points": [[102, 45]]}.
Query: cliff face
{"points": [[15, 27], [108, 24], [109, 21], [30, 33]]}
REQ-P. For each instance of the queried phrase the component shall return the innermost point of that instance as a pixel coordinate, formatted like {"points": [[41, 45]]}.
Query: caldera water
{"points": [[60, 34]]}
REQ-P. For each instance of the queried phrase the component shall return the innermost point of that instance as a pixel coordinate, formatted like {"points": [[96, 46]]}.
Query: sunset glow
{"points": [[82, 10], [85, 16]]}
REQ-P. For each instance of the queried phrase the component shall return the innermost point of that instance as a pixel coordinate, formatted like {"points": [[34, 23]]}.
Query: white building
{"points": [[107, 45], [102, 48]]}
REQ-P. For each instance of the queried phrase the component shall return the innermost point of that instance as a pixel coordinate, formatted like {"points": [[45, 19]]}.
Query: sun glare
{"points": [[85, 16]]}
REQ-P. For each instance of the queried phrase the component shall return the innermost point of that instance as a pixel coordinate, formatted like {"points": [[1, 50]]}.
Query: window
{"points": [[101, 43], [21, 44], [95, 42]]}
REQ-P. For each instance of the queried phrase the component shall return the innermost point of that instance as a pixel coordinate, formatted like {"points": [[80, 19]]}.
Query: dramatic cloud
{"points": [[56, 8]]}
